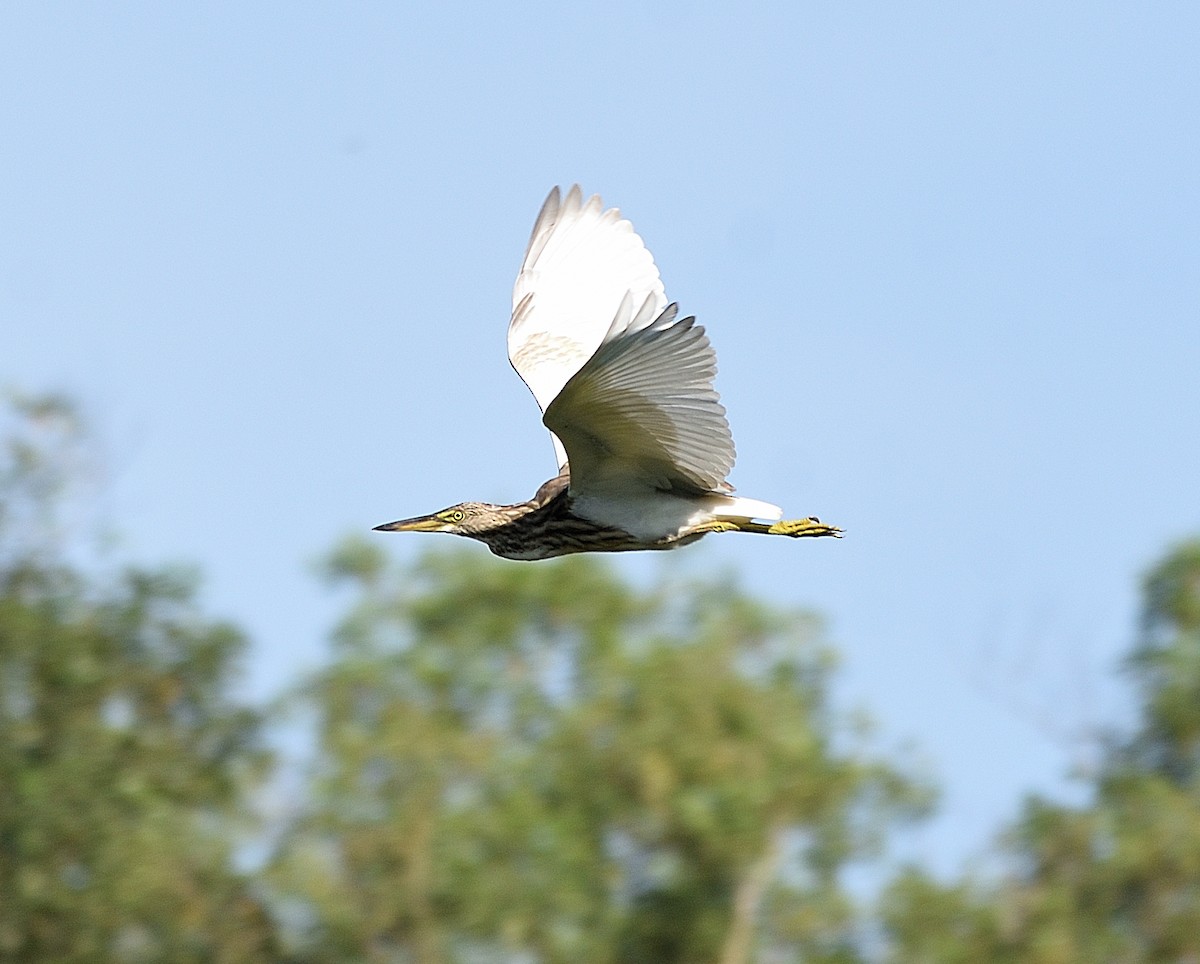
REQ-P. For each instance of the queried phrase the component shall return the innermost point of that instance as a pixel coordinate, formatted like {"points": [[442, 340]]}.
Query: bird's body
{"points": [[553, 524], [550, 524], [626, 388]]}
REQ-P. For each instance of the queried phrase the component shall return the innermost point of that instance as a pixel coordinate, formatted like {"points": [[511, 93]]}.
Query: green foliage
{"points": [[1118, 880], [520, 763], [1166, 667], [42, 452], [123, 765], [543, 760]]}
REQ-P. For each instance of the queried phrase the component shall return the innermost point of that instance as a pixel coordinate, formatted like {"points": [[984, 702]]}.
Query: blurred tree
{"points": [[1115, 881], [123, 763], [541, 763]]}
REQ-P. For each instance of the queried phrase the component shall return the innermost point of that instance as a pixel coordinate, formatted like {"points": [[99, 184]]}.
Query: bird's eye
{"points": [[457, 515]]}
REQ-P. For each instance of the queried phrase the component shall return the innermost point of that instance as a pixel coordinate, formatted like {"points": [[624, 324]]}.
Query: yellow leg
{"points": [[718, 525], [796, 528]]}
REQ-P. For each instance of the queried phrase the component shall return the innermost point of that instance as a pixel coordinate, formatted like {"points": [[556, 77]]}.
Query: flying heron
{"points": [[626, 389]]}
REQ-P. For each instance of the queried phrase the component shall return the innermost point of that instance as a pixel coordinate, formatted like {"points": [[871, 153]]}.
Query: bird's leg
{"points": [[717, 525], [796, 528]]}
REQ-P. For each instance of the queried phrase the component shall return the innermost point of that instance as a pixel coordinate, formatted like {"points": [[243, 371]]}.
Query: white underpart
{"points": [[651, 516]]}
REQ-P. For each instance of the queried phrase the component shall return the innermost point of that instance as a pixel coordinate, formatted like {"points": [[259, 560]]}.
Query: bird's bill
{"points": [[422, 523]]}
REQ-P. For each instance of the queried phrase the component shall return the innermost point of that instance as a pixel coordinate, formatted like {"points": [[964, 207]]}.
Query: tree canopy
{"points": [[1116, 880], [544, 760], [521, 763], [124, 764]]}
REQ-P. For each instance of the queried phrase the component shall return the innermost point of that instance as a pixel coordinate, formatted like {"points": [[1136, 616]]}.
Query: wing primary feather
{"points": [[546, 219], [586, 279]]}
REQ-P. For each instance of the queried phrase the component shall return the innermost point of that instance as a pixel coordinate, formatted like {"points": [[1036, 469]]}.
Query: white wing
{"points": [[581, 264], [642, 414]]}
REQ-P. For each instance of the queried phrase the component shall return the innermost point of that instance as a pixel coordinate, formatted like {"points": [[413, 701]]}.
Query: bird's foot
{"points": [[798, 528]]}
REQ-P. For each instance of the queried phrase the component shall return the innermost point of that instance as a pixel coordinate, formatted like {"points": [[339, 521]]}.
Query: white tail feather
{"points": [[735, 507]]}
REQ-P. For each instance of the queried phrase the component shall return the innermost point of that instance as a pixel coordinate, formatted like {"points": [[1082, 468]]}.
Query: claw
{"points": [[811, 527]]}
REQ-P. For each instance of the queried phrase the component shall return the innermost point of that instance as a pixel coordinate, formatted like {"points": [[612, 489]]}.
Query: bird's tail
{"points": [[735, 507]]}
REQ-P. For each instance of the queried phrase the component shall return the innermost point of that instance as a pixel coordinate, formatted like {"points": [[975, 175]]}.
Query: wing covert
{"points": [[643, 409]]}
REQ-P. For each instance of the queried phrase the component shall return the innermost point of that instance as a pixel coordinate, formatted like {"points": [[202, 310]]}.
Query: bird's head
{"points": [[464, 519]]}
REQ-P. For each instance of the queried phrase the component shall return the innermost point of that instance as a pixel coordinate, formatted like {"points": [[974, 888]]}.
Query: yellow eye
{"points": [[456, 516]]}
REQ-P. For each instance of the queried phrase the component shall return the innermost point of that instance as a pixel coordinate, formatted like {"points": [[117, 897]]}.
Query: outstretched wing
{"points": [[642, 412], [582, 262]]}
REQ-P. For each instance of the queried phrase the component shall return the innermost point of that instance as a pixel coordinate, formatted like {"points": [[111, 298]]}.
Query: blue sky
{"points": [[949, 256]]}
